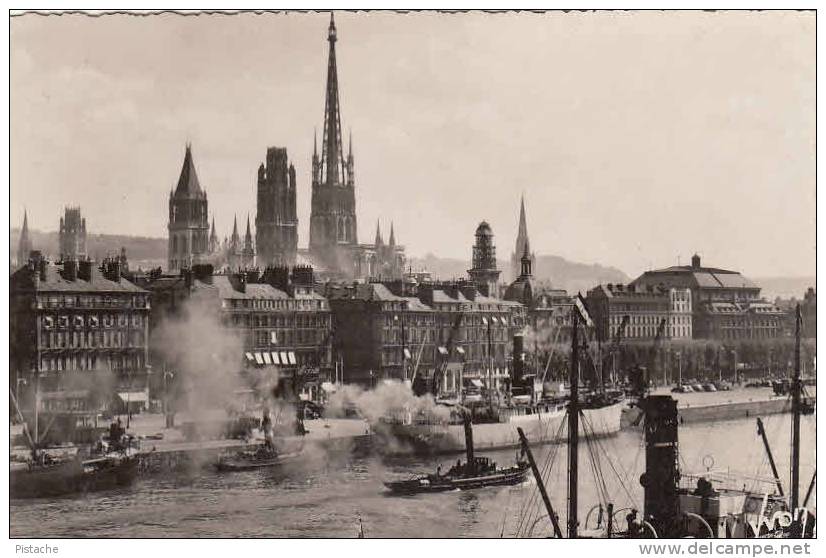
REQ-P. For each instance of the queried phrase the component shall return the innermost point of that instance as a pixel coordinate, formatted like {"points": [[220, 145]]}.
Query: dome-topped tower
{"points": [[484, 271]]}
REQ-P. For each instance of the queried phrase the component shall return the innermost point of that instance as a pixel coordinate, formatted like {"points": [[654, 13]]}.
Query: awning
{"points": [[275, 359], [484, 320], [267, 359], [442, 350], [494, 320], [133, 396], [292, 357], [407, 353], [258, 358], [460, 350], [284, 358], [250, 357], [477, 383], [328, 387], [67, 394]]}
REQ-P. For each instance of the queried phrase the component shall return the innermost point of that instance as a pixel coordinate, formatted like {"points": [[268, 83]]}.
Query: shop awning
{"points": [[258, 358], [477, 383], [133, 396], [284, 358], [442, 350], [407, 353], [292, 357], [275, 359], [267, 359], [250, 357], [460, 350]]}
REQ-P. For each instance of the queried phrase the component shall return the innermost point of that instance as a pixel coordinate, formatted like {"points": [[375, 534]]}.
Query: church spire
{"points": [[379, 241], [248, 235], [234, 239], [332, 154], [25, 245], [392, 241]]}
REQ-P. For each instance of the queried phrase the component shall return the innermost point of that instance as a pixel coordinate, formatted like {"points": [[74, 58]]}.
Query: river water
{"points": [[326, 495]]}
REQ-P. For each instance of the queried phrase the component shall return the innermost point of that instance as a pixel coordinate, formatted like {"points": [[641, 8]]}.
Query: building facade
{"points": [[188, 220], [439, 336], [79, 338], [72, 235], [276, 221], [725, 304], [646, 308]]}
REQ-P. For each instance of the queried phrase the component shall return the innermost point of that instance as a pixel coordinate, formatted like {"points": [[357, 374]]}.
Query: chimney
{"points": [[303, 275], [252, 276], [84, 270], [469, 291], [278, 277], [70, 270], [695, 261], [41, 268], [238, 281], [203, 273], [186, 273], [111, 269]]}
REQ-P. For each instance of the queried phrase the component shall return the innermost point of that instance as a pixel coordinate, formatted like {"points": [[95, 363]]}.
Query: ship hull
{"points": [[540, 428], [72, 478], [502, 477]]}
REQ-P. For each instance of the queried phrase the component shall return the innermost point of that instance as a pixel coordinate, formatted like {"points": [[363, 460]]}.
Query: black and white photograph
{"points": [[413, 274]]}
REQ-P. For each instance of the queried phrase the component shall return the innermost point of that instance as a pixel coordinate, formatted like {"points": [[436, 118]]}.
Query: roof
{"points": [[22, 279], [188, 185], [696, 277], [263, 291]]}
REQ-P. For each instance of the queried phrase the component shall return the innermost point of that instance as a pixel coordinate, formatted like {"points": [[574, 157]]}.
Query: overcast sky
{"points": [[636, 138]]}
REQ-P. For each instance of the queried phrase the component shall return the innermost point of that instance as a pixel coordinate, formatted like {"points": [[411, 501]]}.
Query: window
{"points": [[78, 321], [48, 322], [93, 321], [63, 322]]}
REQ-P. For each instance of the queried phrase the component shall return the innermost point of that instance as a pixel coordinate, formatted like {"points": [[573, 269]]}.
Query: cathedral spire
{"points": [[332, 154], [234, 238], [248, 235], [379, 241], [392, 241]]}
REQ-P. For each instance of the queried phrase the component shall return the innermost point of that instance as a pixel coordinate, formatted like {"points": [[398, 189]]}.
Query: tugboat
{"points": [[265, 455], [46, 476], [477, 472]]}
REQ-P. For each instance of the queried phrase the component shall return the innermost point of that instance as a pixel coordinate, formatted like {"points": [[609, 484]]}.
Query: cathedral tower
{"points": [[72, 235], [188, 221], [333, 207], [276, 222]]}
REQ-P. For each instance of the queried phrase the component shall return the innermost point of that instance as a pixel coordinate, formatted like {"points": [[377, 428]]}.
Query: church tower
{"points": [[188, 221], [276, 222], [72, 235], [523, 245], [333, 206]]}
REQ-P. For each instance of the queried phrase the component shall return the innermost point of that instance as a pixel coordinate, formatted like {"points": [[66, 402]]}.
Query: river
{"points": [[326, 495]]}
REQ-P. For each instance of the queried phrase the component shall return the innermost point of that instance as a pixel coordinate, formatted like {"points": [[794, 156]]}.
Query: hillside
{"points": [[559, 272]]}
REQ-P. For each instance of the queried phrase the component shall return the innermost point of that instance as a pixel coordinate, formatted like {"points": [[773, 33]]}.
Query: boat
{"points": [[542, 421], [44, 475], [476, 472], [260, 458]]}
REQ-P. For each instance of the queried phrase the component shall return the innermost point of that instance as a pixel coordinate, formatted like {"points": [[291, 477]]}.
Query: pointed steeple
{"points": [[234, 239], [24, 247], [248, 235], [392, 241], [379, 241], [332, 154], [523, 222], [526, 261], [188, 185]]}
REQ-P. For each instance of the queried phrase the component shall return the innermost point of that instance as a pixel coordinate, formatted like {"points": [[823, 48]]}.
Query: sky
{"points": [[637, 138]]}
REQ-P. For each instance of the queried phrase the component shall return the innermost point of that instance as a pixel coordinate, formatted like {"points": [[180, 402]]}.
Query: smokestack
{"points": [[518, 358]]}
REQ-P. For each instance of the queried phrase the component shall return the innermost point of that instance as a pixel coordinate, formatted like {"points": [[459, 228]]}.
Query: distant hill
{"points": [[142, 251], [784, 287], [559, 272]]}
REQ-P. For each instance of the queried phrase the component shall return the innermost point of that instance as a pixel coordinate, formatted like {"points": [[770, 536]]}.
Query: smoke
{"points": [[390, 400], [202, 359]]}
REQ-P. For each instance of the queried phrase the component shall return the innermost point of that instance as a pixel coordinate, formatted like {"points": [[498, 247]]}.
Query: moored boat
{"points": [[259, 458], [481, 473]]}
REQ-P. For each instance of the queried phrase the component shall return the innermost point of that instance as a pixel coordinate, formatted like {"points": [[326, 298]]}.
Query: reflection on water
{"points": [[326, 495]]}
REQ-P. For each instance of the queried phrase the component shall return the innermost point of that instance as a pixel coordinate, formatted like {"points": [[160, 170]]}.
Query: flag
{"points": [[582, 308]]}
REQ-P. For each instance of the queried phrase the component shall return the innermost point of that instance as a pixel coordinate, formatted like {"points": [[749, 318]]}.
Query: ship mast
{"points": [[796, 414], [573, 427]]}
